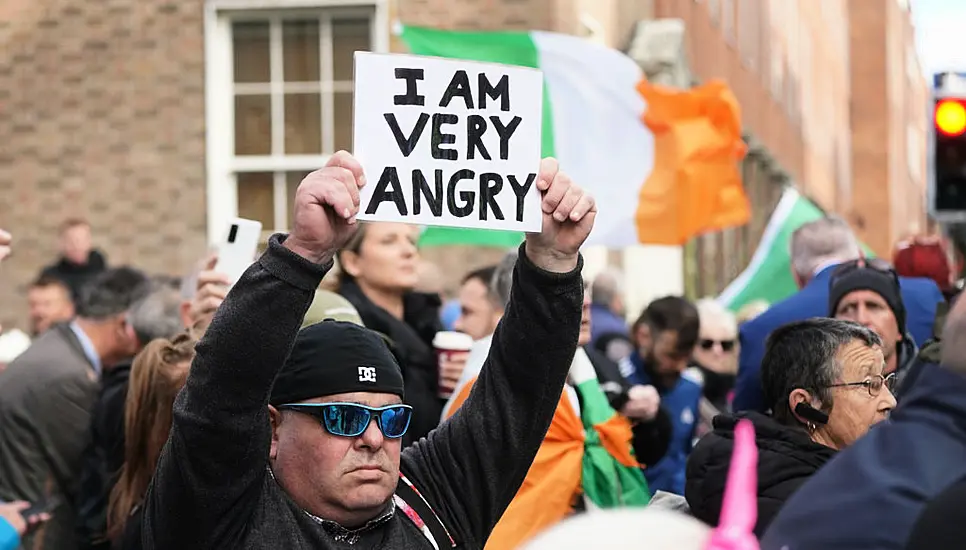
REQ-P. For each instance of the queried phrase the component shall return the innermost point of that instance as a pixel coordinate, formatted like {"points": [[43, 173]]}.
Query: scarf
{"points": [[586, 456]]}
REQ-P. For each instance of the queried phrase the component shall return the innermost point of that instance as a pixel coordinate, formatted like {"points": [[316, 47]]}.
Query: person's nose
{"points": [[409, 248], [888, 399], [863, 317], [372, 438]]}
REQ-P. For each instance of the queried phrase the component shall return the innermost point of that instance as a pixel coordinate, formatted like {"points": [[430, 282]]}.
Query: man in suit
{"points": [[46, 397], [816, 248]]}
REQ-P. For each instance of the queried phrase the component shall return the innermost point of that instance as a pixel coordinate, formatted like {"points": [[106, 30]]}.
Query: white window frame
{"points": [[221, 187]]}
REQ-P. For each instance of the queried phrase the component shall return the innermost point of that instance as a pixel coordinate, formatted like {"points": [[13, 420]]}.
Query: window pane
{"points": [[303, 124], [300, 50], [253, 125], [255, 198], [342, 104], [250, 40], [348, 35], [292, 180]]}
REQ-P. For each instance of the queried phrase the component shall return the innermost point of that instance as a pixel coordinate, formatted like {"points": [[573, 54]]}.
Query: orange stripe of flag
{"points": [[695, 185]]}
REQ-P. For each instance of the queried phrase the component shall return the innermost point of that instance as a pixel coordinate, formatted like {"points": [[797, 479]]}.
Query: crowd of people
{"points": [[291, 409]]}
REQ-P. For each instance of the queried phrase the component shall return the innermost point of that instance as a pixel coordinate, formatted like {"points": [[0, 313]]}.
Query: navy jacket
{"points": [[920, 297], [870, 495]]}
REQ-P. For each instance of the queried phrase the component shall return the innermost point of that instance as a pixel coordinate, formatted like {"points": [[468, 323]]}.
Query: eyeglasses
{"points": [[875, 264], [352, 419], [874, 384], [726, 345]]}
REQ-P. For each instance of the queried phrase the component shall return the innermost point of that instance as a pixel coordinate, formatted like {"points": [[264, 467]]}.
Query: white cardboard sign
{"points": [[448, 142]]}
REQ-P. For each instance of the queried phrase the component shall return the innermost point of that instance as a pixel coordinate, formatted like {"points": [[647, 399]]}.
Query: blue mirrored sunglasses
{"points": [[352, 419]]}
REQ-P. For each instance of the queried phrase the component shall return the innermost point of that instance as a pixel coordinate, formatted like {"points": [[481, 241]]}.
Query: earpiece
{"points": [[811, 414]]}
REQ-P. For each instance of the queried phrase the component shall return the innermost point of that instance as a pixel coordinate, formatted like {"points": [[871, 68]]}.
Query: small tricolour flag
{"points": [[661, 163]]}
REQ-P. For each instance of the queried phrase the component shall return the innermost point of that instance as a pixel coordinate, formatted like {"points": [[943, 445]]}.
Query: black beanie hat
{"points": [[336, 357], [865, 278]]}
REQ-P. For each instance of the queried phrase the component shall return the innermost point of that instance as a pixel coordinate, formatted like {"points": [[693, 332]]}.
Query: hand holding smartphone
{"points": [[236, 251]]}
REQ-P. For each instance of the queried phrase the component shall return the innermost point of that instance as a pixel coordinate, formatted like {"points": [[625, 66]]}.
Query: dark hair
{"points": [[46, 281], [673, 313], [112, 292], [802, 355], [71, 223], [483, 275]]}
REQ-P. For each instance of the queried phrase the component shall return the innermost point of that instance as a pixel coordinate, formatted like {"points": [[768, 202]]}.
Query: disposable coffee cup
{"points": [[447, 343]]}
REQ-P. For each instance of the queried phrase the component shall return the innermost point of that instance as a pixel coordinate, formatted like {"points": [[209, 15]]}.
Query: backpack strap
{"points": [[419, 511]]}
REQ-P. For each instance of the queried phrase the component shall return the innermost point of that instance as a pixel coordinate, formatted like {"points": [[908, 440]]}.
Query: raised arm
{"points": [[217, 451], [470, 468]]}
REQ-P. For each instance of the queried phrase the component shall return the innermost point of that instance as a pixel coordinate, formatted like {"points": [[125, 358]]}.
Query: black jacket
{"points": [[412, 342], [651, 439], [213, 488], [74, 275], [787, 457], [103, 458]]}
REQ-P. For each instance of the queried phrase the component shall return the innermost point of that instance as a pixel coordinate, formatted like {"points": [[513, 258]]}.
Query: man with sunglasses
{"points": [[288, 439], [867, 291]]}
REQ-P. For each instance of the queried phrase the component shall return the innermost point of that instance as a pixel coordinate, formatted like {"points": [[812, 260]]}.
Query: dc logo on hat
{"points": [[367, 374]]}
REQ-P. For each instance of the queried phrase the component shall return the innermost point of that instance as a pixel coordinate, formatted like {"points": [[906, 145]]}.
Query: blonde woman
{"points": [[158, 374]]}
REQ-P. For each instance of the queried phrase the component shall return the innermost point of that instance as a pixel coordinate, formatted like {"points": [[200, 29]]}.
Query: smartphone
{"points": [[43, 507], [236, 251]]}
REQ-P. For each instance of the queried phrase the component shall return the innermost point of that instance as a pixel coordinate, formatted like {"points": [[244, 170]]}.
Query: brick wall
{"points": [[888, 193], [102, 110]]}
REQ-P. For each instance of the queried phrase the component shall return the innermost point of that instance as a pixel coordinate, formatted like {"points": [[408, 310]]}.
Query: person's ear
{"points": [[349, 262], [276, 419], [797, 397]]}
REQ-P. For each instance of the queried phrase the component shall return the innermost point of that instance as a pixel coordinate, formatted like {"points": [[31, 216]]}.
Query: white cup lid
{"points": [[445, 339]]}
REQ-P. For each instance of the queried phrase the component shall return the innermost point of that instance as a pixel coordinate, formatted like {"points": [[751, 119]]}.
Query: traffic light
{"points": [[948, 167]]}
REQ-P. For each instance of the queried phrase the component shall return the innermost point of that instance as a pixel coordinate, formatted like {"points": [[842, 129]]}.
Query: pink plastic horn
{"points": [[739, 510]]}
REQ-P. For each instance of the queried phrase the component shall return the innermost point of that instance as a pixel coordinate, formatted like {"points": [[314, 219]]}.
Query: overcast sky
{"points": [[941, 34]]}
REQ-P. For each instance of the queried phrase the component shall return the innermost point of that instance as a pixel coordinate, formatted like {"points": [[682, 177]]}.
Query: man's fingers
{"points": [[584, 206], [207, 305], [340, 200], [548, 170], [555, 193], [343, 159], [209, 277], [567, 203], [210, 262]]}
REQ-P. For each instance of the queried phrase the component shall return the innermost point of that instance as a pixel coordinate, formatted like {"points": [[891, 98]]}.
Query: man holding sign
{"points": [[448, 142], [288, 439]]}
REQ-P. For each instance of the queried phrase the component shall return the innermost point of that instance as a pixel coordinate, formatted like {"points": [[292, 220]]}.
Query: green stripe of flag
{"points": [[508, 48], [769, 274]]}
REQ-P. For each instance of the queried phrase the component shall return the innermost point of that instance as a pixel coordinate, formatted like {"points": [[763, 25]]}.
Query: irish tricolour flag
{"points": [[660, 174]]}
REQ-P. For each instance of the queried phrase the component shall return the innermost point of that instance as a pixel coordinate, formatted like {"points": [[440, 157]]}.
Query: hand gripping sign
{"points": [[448, 142]]}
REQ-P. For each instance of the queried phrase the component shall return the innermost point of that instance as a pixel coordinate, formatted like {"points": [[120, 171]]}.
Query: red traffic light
{"points": [[951, 117]]}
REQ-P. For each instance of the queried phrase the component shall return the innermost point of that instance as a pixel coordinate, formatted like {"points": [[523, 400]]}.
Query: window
{"points": [[728, 21], [280, 102], [777, 73], [914, 153], [749, 32]]}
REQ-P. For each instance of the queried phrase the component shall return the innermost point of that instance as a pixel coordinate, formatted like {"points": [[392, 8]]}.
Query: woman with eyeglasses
{"points": [[715, 360], [824, 380]]}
